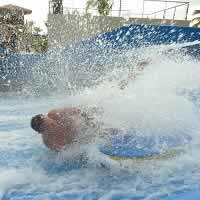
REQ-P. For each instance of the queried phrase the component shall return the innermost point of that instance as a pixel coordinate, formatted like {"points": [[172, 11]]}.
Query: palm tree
{"points": [[103, 6], [196, 12], [196, 20]]}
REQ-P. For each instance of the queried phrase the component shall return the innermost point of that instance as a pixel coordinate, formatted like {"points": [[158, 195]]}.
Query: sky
{"points": [[40, 7]]}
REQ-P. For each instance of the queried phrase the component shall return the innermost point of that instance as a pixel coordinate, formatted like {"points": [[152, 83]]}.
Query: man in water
{"points": [[62, 126]]}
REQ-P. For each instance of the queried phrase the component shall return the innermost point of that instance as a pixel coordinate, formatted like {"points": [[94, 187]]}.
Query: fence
{"points": [[165, 9]]}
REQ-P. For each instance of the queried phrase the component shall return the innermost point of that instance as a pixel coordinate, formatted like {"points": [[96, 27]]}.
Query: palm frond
{"points": [[103, 6], [196, 12]]}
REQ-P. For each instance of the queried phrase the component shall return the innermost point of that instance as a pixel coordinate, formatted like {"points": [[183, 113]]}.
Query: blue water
{"points": [[163, 100], [30, 171]]}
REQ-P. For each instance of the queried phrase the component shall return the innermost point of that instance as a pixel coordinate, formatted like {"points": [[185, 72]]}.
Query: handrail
{"points": [[113, 10], [129, 13], [181, 3], [164, 9], [169, 1]]}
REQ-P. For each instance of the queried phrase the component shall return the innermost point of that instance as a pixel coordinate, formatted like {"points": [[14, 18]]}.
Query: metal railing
{"points": [[113, 12], [158, 14], [164, 11]]}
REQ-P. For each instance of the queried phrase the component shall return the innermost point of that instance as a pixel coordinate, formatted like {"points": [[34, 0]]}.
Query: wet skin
{"points": [[59, 127]]}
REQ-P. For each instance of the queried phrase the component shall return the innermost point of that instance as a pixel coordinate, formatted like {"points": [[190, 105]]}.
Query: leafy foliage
{"points": [[103, 6], [31, 39]]}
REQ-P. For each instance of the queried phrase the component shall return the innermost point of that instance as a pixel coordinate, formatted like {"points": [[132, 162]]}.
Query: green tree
{"points": [[103, 6], [37, 30], [31, 39], [39, 43]]}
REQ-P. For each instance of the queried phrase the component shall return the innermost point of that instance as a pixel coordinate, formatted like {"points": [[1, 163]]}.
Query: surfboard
{"points": [[132, 146]]}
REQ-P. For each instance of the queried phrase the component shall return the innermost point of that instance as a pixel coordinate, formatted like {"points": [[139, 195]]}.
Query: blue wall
{"points": [[135, 36], [126, 37], [140, 35]]}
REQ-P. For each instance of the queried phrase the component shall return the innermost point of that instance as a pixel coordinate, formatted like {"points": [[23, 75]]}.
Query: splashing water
{"points": [[163, 99]]}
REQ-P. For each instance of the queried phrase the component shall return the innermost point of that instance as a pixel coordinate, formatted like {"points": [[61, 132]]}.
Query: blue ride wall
{"points": [[136, 36], [125, 37], [140, 35]]}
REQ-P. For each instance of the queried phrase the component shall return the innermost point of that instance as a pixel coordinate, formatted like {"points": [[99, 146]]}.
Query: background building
{"points": [[11, 24]]}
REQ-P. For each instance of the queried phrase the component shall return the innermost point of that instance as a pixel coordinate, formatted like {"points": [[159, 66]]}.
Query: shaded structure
{"points": [[11, 19], [12, 14]]}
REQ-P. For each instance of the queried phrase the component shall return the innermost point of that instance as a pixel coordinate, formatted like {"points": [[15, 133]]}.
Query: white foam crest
{"points": [[11, 178], [156, 102], [152, 103]]}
